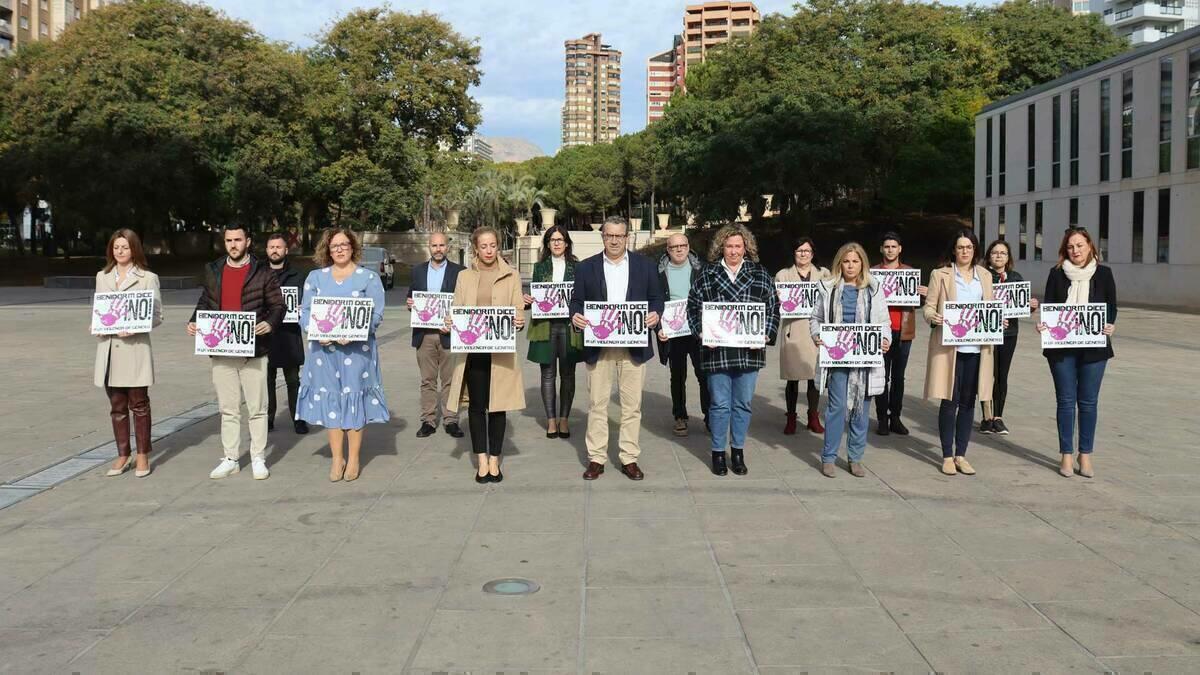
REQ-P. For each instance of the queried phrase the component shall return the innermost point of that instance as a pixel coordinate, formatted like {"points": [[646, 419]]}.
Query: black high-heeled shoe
{"points": [[552, 434], [485, 478], [497, 477]]}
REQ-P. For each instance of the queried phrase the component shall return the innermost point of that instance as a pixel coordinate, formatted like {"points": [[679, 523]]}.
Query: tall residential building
{"points": [[592, 111], [664, 74], [25, 21], [714, 23], [1139, 21], [478, 148], [1114, 148]]}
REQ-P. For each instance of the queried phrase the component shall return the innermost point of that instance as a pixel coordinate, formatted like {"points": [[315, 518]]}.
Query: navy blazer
{"points": [[420, 282], [644, 286]]}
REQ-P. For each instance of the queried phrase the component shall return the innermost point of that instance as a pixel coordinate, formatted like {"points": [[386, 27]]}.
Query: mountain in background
{"points": [[506, 149]]}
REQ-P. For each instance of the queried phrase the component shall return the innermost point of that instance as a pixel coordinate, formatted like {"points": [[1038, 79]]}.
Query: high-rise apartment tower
{"points": [[592, 110]]}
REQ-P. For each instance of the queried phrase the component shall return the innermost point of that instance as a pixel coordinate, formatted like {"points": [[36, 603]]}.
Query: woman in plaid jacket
{"points": [[734, 275]]}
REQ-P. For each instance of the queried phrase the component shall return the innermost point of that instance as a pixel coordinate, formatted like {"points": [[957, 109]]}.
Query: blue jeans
{"points": [[1076, 386], [730, 393], [836, 413]]}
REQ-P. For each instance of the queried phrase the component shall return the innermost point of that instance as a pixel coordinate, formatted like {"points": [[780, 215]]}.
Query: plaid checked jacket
{"points": [[753, 284]]}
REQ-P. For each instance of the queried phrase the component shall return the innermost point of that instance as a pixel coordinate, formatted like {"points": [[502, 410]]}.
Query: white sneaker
{"points": [[226, 468], [260, 469]]}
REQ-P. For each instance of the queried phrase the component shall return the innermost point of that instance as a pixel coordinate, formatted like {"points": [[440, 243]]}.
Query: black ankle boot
{"points": [[718, 466], [738, 461]]}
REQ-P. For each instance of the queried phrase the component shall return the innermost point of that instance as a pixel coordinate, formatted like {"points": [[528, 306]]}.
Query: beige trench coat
{"points": [[939, 369], [797, 351], [508, 387], [129, 361]]}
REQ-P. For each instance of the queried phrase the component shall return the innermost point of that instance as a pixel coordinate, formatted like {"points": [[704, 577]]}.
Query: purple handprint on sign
{"points": [[891, 284], [846, 341], [219, 331], [728, 321], [965, 325], [1068, 322], [791, 301], [117, 308], [334, 317], [676, 317], [475, 329], [609, 322], [432, 308]]}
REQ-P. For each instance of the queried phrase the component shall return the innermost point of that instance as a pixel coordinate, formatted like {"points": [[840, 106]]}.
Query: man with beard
{"points": [[904, 328], [238, 282], [287, 344], [434, 361]]}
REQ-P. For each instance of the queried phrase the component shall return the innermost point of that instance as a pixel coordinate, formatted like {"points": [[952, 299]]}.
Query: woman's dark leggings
{"points": [[487, 428], [956, 417], [558, 405], [1003, 361], [791, 392]]}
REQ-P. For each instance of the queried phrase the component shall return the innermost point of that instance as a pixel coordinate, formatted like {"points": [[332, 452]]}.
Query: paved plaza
{"points": [[1015, 570]]}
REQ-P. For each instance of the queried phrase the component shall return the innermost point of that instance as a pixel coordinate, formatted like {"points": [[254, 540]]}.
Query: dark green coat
{"points": [[539, 329]]}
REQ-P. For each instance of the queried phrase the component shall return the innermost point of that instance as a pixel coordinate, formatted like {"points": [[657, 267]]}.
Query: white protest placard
{"points": [[796, 298], [734, 324], [483, 330], [899, 286], [291, 302], [1015, 295], [851, 345], [429, 310], [225, 333], [674, 319], [973, 323], [331, 319], [615, 324], [122, 312], [1073, 325], [550, 299]]}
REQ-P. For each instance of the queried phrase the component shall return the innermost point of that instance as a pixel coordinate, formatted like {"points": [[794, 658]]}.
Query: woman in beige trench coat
{"points": [[489, 384], [797, 352], [125, 362], [957, 375]]}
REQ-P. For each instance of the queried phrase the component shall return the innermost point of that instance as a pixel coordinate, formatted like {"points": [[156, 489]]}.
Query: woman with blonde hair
{"points": [[342, 385], [125, 361], [490, 384], [851, 295]]}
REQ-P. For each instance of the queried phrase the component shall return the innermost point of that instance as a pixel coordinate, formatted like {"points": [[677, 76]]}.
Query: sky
{"points": [[522, 86]]}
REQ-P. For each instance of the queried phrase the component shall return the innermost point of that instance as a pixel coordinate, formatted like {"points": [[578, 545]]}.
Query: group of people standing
{"points": [[338, 384]]}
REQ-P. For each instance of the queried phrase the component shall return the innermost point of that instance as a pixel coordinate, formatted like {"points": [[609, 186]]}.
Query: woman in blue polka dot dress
{"points": [[341, 387]]}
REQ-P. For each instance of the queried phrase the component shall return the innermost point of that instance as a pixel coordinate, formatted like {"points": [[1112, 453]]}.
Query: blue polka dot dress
{"points": [[341, 386]]}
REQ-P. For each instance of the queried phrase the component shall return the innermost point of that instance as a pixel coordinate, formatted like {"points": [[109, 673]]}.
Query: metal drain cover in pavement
{"points": [[511, 587]]}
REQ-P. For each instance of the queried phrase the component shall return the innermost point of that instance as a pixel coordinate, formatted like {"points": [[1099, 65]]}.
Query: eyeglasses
{"points": [[339, 247], [678, 247], [615, 236], [557, 240], [804, 251]]}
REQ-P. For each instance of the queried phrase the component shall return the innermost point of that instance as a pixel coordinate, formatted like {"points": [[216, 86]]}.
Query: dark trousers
{"points": [[487, 428], [889, 403], [558, 397], [1002, 358], [124, 402], [682, 349], [956, 417], [791, 392], [1077, 388], [291, 378]]}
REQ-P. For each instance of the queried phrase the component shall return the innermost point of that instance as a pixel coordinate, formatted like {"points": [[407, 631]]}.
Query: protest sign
{"points": [[483, 330], [973, 323], [734, 324], [851, 345], [291, 304], [332, 319], [615, 324], [1015, 295], [796, 298], [122, 312], [675, 320], [1073, 325], [225, 333], [429, 310], [899, 286], [550, 299]]}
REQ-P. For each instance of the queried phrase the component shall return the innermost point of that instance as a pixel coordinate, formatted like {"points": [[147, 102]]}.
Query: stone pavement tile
{"points": [[85, 514], [35, 543], [809, 480], [1128, 627], [1140, 665], [656, 613], [251, 575], [18, 576], [303, 515], [983, 511], [43, 651], [343, 654], [954, 600], [1168, 564], [389, 561], [648, 553], [375, 611], [125, 564], [1172, 509], [499, 640], [554, 561], [429, 508], [717, 518], [642, 502], [915, 668], [770, 491], [1079, 493], [1005, 651], [547, 510], [1035, 541], [1070, 580], [186, 529], [149, 641], [826, 637], [853, 506], [1162, 485], [796, 587], [67, 606], [1099, 528], [808, 546], [655, 656]]}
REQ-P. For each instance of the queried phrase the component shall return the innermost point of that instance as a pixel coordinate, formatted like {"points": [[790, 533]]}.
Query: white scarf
{"points": [[1081, 279]]}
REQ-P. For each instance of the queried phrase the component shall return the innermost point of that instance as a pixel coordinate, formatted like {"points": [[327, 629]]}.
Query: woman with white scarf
{"points": [[851, 296], [1079, 278]]}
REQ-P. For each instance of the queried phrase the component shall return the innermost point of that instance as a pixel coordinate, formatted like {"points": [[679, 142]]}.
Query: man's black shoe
{"points": [[301, 427], [426, 430], [454, 430]]}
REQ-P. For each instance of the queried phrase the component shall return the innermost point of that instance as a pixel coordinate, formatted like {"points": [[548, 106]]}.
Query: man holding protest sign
{"points": [[676, 270], [239, 283], [287, 344], [903, 319], [733, 306], [616, 275], [439, 275]]}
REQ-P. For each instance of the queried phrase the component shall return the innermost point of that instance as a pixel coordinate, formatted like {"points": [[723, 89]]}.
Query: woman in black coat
{"points": [[999, 262]]}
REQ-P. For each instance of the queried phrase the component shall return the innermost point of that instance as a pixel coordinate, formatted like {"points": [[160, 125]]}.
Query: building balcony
{"points": [[6, 30], [1146, 34], [6, 5], [1147, 11]]}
